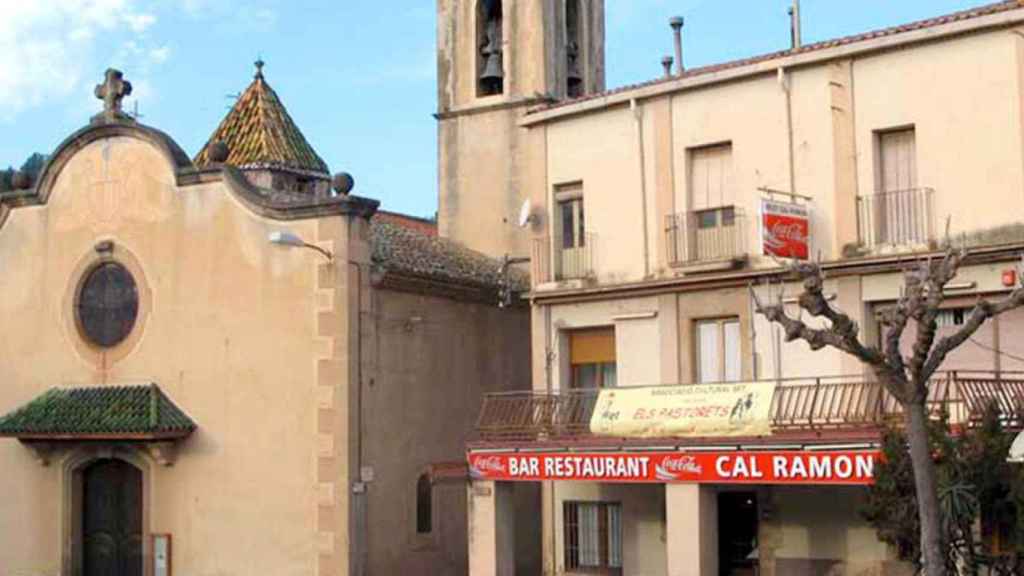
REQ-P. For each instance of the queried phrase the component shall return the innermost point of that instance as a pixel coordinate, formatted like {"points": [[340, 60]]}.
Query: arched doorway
{"points": [[111, 513]]}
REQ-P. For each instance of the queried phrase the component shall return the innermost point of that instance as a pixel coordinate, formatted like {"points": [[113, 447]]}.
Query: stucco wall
{"points": [[429, 360], [228, 329], [968, 146]]}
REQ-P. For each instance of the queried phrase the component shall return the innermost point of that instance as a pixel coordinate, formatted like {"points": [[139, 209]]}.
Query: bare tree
{"points": [[906, 378]]}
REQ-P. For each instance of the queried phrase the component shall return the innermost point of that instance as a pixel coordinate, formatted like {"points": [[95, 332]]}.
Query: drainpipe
{"points": [[784, 84], [638, 115]]}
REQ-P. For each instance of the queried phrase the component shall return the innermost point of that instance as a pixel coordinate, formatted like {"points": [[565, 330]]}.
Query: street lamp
{"points": [[286, 238]]}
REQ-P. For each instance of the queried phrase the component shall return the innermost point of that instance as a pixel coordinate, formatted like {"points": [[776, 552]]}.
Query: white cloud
{"points": [[46, 45]]}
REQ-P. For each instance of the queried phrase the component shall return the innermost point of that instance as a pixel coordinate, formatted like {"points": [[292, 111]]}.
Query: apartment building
{"points": [[672, 429]]}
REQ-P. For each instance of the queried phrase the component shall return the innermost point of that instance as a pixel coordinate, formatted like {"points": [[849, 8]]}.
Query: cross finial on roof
{"points": [[113, 89], [259, 67]]}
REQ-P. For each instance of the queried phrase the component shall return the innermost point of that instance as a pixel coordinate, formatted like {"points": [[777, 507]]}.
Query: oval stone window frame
{"points": [[90, 353], [107, 304]]}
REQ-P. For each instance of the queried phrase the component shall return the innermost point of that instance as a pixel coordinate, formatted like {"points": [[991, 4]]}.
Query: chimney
{"points": [[794, 24], [677, 30], [666, 63]]}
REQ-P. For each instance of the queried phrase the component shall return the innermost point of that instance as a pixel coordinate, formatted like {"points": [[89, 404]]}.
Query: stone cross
{"points": [[112, 91]]}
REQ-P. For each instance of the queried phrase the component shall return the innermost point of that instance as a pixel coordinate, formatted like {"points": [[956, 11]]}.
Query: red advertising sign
{"points": [[785, 229], [854, 467]]}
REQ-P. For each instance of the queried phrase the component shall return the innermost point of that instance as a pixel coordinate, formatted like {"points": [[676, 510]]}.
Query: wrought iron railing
{"points": [[556, 258], [896, 218], [699, 236], [797, 405]]}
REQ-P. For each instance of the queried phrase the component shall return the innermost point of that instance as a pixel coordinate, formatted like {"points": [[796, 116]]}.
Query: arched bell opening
{"points": [[490, 48]]}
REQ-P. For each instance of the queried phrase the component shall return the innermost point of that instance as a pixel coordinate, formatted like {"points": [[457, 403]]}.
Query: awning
{"points": [[98, 413]]}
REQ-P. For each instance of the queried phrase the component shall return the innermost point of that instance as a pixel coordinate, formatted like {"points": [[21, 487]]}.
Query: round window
{"points": [[108, 304]]}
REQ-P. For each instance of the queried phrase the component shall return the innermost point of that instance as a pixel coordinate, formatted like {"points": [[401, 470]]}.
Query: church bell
{"points": [[492, 72]]}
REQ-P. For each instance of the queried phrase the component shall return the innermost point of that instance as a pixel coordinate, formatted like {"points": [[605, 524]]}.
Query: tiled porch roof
{"points": [[99, 412]]}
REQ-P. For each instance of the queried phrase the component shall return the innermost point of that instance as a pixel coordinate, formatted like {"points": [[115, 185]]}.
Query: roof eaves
{"points": [[973, 20]]}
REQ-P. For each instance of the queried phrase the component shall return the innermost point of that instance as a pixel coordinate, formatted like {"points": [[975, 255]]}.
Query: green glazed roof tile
{"points": [[98, 411]]}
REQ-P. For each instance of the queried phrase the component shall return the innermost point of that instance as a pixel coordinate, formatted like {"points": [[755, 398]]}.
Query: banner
{"points": [[741, 409], [853, 467], [785, 229]]}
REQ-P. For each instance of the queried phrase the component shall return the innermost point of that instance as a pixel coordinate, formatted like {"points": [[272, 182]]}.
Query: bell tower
{"points": [[496, 59]]}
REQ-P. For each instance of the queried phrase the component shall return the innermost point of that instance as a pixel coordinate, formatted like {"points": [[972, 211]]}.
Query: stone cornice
{"points": [[264, 202]]}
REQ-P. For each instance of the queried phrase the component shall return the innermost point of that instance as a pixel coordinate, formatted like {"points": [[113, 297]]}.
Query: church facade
{"points": [[220, 366]]}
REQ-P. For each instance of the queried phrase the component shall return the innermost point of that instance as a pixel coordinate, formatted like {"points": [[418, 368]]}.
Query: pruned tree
{"points": [[907, 378]]}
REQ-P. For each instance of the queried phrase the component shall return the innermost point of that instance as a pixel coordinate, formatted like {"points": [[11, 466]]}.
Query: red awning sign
{"points": [[768, 467]]}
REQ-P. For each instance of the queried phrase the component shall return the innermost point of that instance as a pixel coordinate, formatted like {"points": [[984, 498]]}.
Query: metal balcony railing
{"points": [[797, 405], [896, 218], [700, 236], [556, 258]]}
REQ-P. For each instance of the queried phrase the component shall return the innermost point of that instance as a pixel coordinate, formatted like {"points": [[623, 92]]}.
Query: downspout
{"points": [[784, 79], [638, 115]]}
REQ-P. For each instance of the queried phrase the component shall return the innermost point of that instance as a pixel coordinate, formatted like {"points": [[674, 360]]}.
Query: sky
{"points": [[357, 77]]}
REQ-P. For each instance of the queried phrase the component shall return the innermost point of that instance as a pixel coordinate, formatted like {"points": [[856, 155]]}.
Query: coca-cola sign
{"points": [[785, 230], [853, 467]]}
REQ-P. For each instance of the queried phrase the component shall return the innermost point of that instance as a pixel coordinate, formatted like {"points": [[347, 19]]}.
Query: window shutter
{"points": [[592, 346]]}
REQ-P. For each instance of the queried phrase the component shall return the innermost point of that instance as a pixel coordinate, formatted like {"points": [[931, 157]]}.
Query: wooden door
{"points": [[112, 519]]}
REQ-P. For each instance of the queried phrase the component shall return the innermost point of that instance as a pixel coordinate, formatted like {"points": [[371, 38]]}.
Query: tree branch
{"points": [[843, 332], [983, 310]]}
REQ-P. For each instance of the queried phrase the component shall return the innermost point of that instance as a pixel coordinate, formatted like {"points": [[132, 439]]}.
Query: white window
{"points": [[711, 178], [593, 537], [572, 254], [718, 350], [897, 161]]}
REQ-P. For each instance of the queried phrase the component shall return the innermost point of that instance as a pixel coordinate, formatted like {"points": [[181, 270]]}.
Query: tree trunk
{"points": [[927, 489]]}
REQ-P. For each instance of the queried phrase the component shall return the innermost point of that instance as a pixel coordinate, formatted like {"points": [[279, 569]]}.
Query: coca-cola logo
{"points": [[793, 232], [489, 464], [681, 464]]}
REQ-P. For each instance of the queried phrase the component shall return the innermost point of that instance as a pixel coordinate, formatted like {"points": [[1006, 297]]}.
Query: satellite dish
{"points": [[1017, 450], [525, 214]]}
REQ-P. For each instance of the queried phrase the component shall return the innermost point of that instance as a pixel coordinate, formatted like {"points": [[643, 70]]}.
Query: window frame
{"points": [[570, 529], [721, 370], [424, 503], [600, 367], [570, 195]]}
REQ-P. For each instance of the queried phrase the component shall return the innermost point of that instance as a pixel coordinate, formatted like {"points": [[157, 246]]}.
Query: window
{"points": [[900, 212], [108, 305], [952, 317], [718, 350], [593, 536], [424, 505], [571, 227], [592, 358], [897, 160], [716, 218], [490, 60], [572, 254], [711, 177]]}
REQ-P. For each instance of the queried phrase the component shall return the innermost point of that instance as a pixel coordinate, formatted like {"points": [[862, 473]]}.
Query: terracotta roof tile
{"points": [[98, 411], [962, 15], [407, 250], [259, 133], [428, 227]]}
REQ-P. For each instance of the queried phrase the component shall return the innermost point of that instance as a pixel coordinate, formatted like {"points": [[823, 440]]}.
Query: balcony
{"points": [[832, 407], [704, 238], [557, 259], [899, 219]]}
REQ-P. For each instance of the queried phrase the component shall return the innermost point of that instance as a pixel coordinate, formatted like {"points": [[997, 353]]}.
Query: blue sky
{"points": [[357, 77]]}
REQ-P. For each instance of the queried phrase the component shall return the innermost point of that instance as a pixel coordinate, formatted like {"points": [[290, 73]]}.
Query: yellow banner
{"points": [[741, 409]]}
